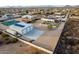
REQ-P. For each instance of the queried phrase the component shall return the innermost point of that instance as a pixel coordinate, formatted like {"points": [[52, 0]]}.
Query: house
{"points": [[27, 16], [50, 16], [21, 28], [49, 19], [16, 16], [8, 16], [23, 20], [3, 18], [36, 17]]}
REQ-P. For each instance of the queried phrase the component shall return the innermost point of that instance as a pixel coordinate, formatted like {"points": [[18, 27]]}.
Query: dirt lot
{"points": [[69, 40], [18, 48]]}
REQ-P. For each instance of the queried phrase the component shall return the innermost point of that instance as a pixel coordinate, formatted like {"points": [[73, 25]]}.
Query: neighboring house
{"points": [[27, 16], [57, 13], [50, 16], [36, 17], [16, 16], [23, 20], [73, 17], [2, 18], [50, 19], [7, 16]]}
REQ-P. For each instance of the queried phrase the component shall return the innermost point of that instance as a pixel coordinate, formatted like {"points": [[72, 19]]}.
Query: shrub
{"points": [[13, 40], [6, 38], [4, 35], [49, 26], [0, 32]]}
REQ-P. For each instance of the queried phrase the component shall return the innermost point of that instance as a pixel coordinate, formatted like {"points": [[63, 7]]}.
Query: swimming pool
{"points": [[34, 34], [10, 22]]}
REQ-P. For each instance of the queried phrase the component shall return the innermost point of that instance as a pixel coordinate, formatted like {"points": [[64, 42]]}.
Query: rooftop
{"points": [[20, 26]]}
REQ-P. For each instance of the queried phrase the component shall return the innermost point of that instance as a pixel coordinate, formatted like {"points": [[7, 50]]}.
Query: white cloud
{"points": [[37, 2]]}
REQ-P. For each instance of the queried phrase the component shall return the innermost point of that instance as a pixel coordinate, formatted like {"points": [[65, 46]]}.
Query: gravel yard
{"points": [[12, 48]]}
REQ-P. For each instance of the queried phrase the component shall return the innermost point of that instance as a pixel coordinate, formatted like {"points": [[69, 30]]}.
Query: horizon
{"points": [[28, 3], [44, 6]]}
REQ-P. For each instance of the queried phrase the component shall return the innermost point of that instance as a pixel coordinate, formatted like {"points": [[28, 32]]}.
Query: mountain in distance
{"points": [[40, 6]]}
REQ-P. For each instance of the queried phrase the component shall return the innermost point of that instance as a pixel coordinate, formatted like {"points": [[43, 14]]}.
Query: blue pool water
{"points": [[34, 34], [10, 22]]}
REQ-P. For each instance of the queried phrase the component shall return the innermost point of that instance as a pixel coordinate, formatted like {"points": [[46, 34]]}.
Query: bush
{"points": [[33, 21], [0, 32], [6, 39], [49, 26], [7, 42], [13, 40], [4, 35]]}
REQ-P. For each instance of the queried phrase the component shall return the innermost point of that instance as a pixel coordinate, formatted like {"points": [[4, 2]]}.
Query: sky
{"points": [[37, 2]]}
